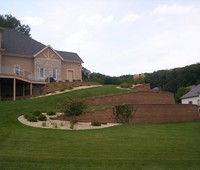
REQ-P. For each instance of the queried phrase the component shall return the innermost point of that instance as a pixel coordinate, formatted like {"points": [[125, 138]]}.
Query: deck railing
{"points": [[20, 73]]}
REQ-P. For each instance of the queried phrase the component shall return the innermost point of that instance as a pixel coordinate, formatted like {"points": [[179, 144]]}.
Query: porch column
{"points": [[14, 89], [31, 89], [23, 89]]}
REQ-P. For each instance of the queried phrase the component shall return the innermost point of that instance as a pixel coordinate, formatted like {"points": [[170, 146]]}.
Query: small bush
{"points": [[96, 123], [37, 113], [126, 85], [51, 113], [68, 87], [32, 118], [104, 123], [42, 117], [26, 115], [73, 107], [124, 113]]}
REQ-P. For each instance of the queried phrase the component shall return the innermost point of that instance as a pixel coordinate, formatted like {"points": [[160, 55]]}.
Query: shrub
{"points": [[123, 113], [26, 115], [126, 85], [73, 107], [96, 123], [42, 117], [32, 118], [51, 113], [37, 113], [67, 87]]}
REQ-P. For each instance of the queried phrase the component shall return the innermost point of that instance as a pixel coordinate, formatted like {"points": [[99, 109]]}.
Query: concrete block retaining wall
{"points": [[146, 113]]}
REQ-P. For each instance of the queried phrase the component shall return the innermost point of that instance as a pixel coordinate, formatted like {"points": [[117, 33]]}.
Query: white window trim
{"points": [[55, 73], [43, 72]]}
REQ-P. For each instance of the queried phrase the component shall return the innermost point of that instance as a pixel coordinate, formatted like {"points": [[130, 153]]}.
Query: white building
{"points": [[192, 97]]}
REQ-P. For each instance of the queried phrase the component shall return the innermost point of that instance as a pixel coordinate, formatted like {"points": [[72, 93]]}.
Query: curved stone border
{"points": [[62, 125]]}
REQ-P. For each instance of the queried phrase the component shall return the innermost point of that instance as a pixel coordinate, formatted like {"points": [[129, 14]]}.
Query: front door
{"points": [[70, 75]]}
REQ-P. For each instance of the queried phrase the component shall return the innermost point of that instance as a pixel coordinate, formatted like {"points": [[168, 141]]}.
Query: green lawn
{"points": [[149, 146]]}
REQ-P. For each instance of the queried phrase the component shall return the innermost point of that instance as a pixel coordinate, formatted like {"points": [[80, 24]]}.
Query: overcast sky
{"points": [[116, 37]]}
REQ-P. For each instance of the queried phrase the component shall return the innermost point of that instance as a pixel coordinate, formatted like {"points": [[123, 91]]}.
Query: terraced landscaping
{"points": [[147, 146]]}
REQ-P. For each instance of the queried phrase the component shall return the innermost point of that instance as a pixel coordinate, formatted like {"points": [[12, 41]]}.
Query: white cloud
{"points": [[79, 41], [33, 21], [159, 20], [173, 9], [130, 18], [97, 19]]}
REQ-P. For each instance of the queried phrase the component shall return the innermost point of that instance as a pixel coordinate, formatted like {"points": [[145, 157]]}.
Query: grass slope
{"points": [[150, 146]]}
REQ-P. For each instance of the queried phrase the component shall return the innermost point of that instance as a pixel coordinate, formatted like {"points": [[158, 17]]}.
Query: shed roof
{"points": [[194, 92]]}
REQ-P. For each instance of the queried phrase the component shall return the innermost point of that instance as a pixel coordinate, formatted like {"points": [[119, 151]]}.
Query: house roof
{"points": [[15, 42], [194, 92]]}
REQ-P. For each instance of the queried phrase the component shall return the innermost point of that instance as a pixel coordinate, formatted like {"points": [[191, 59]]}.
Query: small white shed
{"points": [[192, 97]]}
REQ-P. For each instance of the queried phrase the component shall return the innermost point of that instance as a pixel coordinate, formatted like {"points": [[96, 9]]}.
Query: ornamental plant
{"points": [[73, 108], [124, 113]]}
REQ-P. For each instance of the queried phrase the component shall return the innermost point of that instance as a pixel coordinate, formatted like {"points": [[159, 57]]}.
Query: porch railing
{"points": [[11, 71]]}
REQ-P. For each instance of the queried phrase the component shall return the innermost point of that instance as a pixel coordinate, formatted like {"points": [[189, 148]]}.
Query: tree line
{"points": [[174, 80]]}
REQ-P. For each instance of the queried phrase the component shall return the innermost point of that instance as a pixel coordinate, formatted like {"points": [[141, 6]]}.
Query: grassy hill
{"points": [[150, 146]]}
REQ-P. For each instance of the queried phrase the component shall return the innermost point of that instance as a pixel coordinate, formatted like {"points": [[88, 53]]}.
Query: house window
{"points": [[17, 69], [54, 74], [190, 102], [41, 72]]}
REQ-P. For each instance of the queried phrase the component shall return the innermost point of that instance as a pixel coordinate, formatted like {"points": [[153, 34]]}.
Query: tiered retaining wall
{"points": [[57, 86], [138, 97], [147, 113]]}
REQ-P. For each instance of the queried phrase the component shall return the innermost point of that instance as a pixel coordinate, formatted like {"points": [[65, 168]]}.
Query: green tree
{"points": [[8, 21], [73, 108], [180, 92]]}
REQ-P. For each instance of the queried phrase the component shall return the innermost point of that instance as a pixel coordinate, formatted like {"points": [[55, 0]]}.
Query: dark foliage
{"points": [[123, 113], [8, 21], [107, 80], [42, 117], [171, 80], [73, 107], [37, 113], [51, 113], [96, 123], [32, 118], [126, 85]]}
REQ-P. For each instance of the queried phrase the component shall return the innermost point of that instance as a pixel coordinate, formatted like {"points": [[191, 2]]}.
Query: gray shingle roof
{"points": [[16, 43], [69, 56], [194, 92]]}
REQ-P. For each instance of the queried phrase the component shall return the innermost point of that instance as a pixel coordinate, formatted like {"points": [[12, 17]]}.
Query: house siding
{"points": [[49, 61], [194, 100], [24, 63], [71, 67]]}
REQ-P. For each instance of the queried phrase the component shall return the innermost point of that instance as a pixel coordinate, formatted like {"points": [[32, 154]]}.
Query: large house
{"points": [[192, 97], [25, 62]]}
